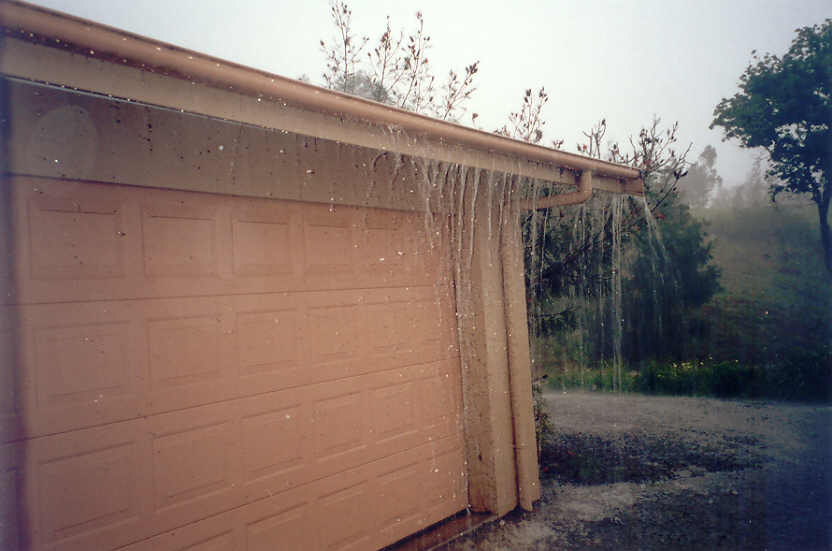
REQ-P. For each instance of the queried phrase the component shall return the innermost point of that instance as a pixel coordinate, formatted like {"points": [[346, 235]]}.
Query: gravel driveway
{"points": [[629, 472]]}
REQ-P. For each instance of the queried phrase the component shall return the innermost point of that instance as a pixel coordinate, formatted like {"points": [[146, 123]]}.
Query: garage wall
{"points": [[196, 368]]}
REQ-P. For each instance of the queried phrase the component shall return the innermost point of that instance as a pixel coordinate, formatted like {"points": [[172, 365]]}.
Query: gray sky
{"points": [[625, 61]]}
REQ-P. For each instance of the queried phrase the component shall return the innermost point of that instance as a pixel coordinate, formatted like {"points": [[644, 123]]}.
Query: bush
{"points": [[802, 378], [803, 375], [602, 378]]}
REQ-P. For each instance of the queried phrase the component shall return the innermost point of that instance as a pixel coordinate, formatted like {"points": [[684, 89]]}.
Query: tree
{"points": [[701, 180], [752, 193], [527, 123], [396, 70], [343, 52], [785, 106]]}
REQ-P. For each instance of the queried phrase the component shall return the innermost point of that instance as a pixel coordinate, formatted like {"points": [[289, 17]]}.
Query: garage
{"points": [[241, 312]]}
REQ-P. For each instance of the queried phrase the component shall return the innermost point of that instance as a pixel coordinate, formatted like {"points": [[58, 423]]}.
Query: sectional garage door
{"points": [[197, 371]]}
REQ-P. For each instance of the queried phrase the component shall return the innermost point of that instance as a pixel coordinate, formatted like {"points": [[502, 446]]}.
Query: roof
{"points": [[56, 30]]}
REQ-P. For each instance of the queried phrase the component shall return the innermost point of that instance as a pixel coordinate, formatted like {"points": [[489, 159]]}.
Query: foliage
{"points": [[701, 180], [542, 423], [602, 377], [395, 70], [667, 282], [807, 377], [753, 192], [785, 107], [776, 308]]}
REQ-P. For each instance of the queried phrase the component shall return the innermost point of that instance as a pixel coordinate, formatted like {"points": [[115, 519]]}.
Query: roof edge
{"points": [[95, 40]]}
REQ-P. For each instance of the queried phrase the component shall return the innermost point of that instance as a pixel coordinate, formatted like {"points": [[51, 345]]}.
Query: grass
{"points": [[802, 378]]}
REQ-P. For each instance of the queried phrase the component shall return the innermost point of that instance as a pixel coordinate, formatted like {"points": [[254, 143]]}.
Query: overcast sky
{"points": [[625, 61]]}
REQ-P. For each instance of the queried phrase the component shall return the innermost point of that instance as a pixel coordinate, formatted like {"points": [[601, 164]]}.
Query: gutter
{"points": [[583, 194], [34, 24]]}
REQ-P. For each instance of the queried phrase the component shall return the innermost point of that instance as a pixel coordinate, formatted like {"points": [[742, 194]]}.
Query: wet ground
{"points": [[629, 472]]}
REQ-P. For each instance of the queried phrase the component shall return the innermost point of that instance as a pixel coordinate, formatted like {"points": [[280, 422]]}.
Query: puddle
{"points": [[590, 459]]}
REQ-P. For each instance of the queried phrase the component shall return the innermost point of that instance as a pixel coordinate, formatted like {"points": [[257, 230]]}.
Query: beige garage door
{"points": [[204, 372]]}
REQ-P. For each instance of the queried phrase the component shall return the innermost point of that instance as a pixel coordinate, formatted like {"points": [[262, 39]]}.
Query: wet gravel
{"points": [[630, 472], [591, 459]]}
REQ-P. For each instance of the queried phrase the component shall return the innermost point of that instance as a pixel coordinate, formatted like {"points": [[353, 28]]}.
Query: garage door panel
{"points": [[85, 370], [329, 244], [58, 233], [76, 238], [88, 488], [380, 253], [444, 479], [269, 349], [273, 444], [331, 333], [339, 425], [286, 529], [419, 261], [219, 542], [353, 507], [265, 239], [190, 353], [77, 367], [197, 466], [399, 499], [214, 534], [393, 409]]}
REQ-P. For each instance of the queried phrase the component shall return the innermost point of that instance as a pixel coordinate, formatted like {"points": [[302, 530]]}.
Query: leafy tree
{"points": [[666, 287], [785, 106]]}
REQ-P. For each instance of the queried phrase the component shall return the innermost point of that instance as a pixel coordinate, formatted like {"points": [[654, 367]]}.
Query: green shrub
{"points": [[803, 375]]}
